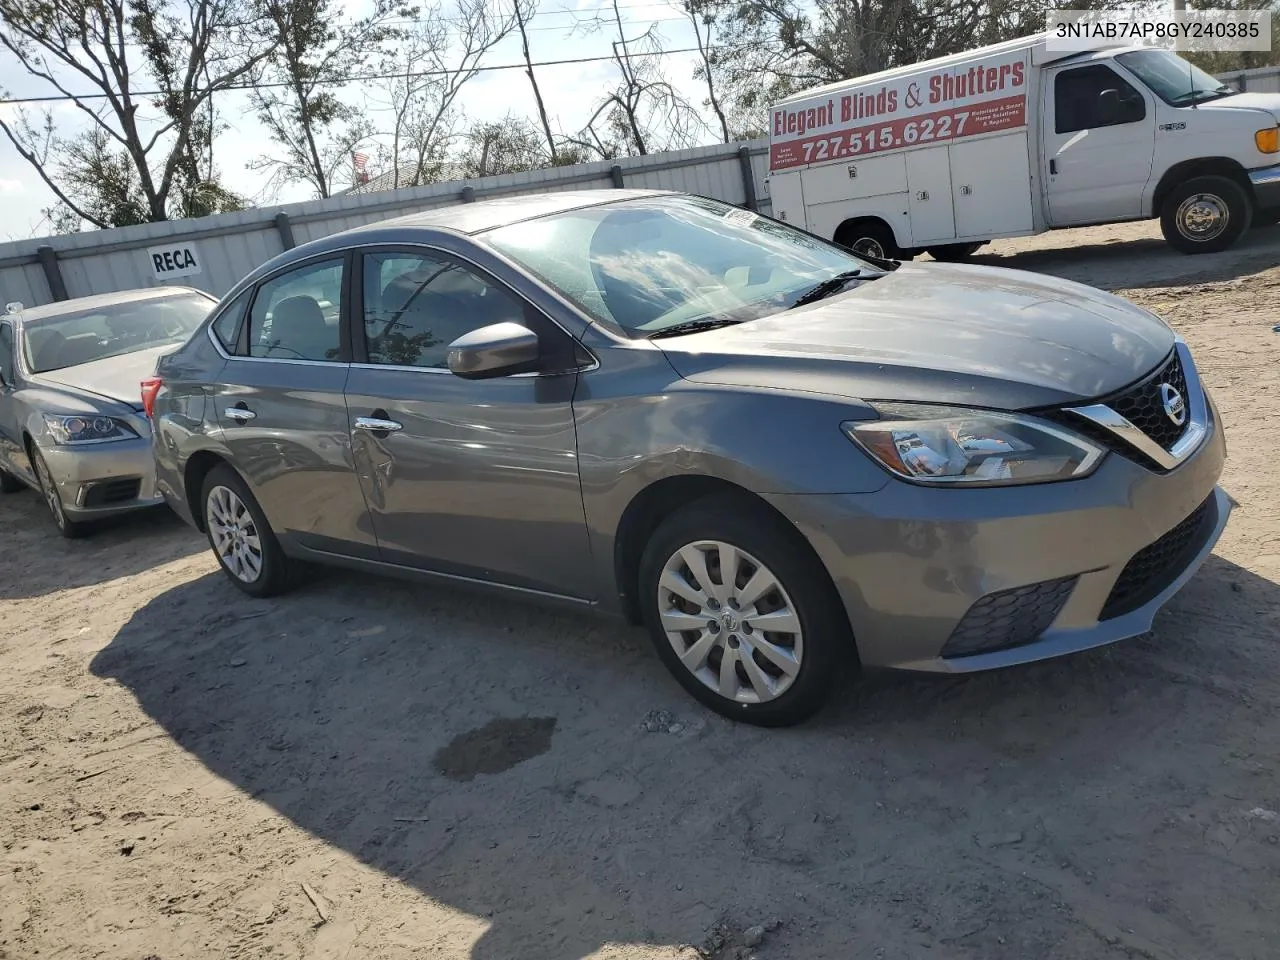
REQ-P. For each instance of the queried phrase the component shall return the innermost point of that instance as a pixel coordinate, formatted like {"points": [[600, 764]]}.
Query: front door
{"points": [[13, 457], [283, 414], [478, 478], [1098, 140]]}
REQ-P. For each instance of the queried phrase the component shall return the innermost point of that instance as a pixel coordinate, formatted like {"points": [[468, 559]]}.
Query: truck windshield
{"points": [[1172, 79], [666, 266]]}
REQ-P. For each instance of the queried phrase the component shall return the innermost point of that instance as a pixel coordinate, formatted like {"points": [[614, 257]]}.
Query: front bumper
{"points": [[103, 479], [910, 562], [1266, 187]]}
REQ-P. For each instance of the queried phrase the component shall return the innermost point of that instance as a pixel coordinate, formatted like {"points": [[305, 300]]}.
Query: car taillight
{"points": [[150, 387]]}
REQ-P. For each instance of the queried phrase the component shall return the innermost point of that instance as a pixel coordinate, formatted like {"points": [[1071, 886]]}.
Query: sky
{"points": [[570, 93]]}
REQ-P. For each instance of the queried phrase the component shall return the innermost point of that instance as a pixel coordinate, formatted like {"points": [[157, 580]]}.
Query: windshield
{"points": [[645, 266], [1172, 79], [69, 340]]}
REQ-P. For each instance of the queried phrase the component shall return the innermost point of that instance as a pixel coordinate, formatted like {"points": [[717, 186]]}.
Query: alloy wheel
{"points": [[50, 490], [730, 621], [234, 534], [1203, 216]]}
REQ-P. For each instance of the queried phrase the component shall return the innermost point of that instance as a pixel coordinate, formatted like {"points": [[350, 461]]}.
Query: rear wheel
{"points": [[10, 483], [742, 613], [242, 540], [1205, 214], [871, 238], [953, 252], [53, 499]]}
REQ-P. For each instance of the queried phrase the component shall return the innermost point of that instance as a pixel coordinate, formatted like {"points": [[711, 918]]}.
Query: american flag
{"points": [[359, 160]]}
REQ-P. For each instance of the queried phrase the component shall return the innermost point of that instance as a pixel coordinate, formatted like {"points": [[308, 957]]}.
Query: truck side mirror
{"points": [[1116, 108]]}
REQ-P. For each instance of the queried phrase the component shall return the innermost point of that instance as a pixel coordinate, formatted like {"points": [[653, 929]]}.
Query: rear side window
{"points": [[1078, 103], [6, 352], [227, 325], [295, 315]]}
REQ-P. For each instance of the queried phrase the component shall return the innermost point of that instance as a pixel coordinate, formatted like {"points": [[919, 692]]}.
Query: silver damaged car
{"points": [[777, 455], [71, 413]]}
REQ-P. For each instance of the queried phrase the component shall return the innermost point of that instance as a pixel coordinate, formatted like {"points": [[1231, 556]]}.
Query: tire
{"points": [[873, 239], [10, 483], [1205, 214], [69, 528], [252, 559], [953, 252], [767, 545]]}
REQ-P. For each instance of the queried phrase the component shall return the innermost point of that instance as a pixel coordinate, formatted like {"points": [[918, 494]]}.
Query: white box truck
{"points": [[1015, 139]]}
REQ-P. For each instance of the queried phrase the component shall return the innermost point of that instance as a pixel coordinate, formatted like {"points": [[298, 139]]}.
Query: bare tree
{"points": [[525, 10], [190, 50], [702, 16], [434, 63], [643, 112], [510, 145], [318, 49]]}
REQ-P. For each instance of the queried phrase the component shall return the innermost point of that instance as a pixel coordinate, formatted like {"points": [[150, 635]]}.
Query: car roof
{"points": [[100, 300], [472, 218]]}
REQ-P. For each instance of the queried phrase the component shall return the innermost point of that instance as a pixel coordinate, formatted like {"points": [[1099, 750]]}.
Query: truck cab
{"points": [[1040, 141]]}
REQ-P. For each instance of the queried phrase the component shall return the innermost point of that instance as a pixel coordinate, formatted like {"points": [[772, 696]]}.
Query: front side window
{"points": [[68, 340], [1087, 98], [646, 266], [415, 305], [295, 315]]}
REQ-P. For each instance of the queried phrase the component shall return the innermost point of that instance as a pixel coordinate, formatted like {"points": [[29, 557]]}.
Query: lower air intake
{"points": [[1009, 618]]}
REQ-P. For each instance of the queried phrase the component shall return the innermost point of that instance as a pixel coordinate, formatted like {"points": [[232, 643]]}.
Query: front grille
{"points": [[104, 492], [1158, 564], [1009, 618], [1142, 406]]}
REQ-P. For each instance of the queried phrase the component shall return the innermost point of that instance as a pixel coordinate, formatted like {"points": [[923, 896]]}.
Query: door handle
{"points": [[239, 414], [1053, 165], [377, 425]]}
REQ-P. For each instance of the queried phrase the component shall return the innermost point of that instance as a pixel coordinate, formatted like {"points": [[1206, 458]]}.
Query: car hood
{"points": [[1268, 102], [939, 333], [117, 378]]}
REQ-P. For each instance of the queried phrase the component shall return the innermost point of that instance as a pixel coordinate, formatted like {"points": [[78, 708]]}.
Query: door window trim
{"points": [[1120, 75], [9, 382], [534, 317], [347, 256]]}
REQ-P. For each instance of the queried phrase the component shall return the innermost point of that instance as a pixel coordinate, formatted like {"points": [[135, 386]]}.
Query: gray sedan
{"points": [[777, 455], [71, 417]]}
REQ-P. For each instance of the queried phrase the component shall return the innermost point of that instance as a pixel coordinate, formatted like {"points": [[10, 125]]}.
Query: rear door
{"points": [[282, 410], [1098, 139], [480, 478]]}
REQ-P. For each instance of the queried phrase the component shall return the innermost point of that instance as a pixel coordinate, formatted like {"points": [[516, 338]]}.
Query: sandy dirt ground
{"points": [[369, 769]]}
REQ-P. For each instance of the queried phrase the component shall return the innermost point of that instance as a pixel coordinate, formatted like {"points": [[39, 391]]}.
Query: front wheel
{"points": [[742, 613], [53, 499], [242, 540], [1205, 214]]}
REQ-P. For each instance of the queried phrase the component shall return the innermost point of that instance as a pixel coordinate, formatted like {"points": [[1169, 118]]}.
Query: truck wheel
{"points": [[871, 238], [1205, 214], [953, 252]]}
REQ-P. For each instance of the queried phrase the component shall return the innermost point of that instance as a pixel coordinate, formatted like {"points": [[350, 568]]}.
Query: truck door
{"points": [[1098, 139]]}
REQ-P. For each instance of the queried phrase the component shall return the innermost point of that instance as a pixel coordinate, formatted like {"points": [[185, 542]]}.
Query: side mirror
{"points": [[498, 350], [1119, 109]]}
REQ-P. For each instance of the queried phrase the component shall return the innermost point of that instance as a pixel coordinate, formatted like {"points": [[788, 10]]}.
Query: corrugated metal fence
{"points": [[229, 245], [1260, 80]]}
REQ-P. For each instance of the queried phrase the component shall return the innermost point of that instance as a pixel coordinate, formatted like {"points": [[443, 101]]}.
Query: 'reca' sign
{"points": [[947, 104]]}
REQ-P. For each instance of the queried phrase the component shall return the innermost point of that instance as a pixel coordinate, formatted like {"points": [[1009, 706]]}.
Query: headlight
{"points": [[86, 429], [951, 445], [1268, 140]]}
